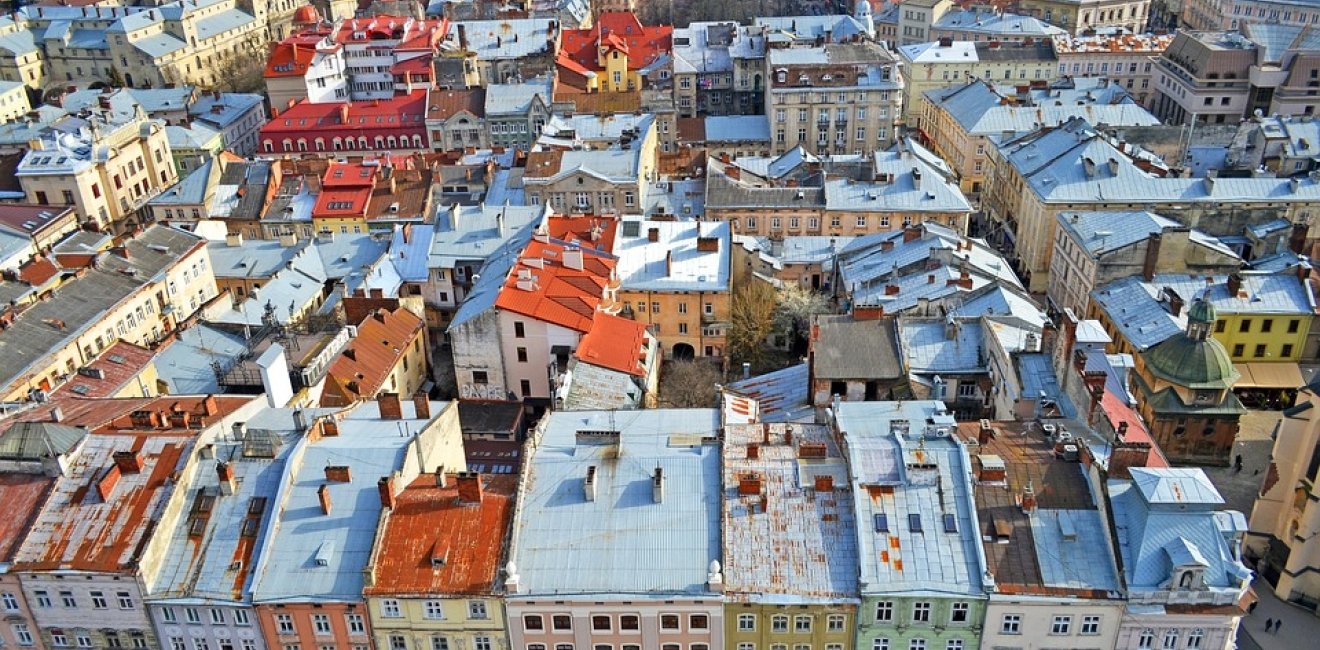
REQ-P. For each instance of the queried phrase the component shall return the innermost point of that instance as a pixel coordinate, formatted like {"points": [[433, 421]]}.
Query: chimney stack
{"points": [[653, 234], [390, 408], [56, 414], [469, 487], [1152, 257], [824, 483], [589, 484], [1126, 455], [1028, 499], [422, 405], [338, 474], [128, 462], [749, 484], [753, 451], [658, 485], [226, 475], [323, 494], [386, 488], [1234, 285]]}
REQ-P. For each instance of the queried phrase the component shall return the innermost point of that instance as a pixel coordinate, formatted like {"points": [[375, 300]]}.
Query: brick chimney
{"points": [[1125, 456], [753, 451], [106, 485], [330, 427], [390, 408], [749, 484], [653, 234], [811, 450], [469, 487], [824, 483], [210, 405], [338, 473], [226, 475], [128, 462], [911, 234], [1234, 285], [386, 488], [422, 406], [323, 494], [1152, 256], [1027, 500]]}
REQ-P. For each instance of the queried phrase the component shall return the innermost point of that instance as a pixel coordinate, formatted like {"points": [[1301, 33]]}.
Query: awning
{"points": [[1269, 375]]}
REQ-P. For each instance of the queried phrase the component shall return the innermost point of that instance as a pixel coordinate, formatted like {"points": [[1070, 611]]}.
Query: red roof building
{"points": [[559, 284], [615, 343], [292, 56], [584, 51], [116, 372], [387, 355], [588, 231], [394, 125]]}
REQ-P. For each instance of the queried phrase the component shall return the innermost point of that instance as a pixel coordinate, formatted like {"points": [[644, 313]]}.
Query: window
{"points": [[439, 643], [698, 622], [22, 633], [241, 617], [1245, 325], [1260, 351], [66, 599], [1146, 640], [481, 643], [533, 622], [1061, 625], [801, 623], [954, 644], [746, 646], [1286, 351], [433, 610], [176, 643], [1220, 324], [218, 617], [1011, 624], [480, 377], [1238, 349], [779, 623], [389, 608], [522, 355], [58, 639], [880, 644], [284, 623], [747, 622], [85, 641], [921, 612], [356, 625], [1170, 640], [561, 622], [1266, 325], [1194, 638], [600, 623], [884, 611], [321, 623], [477, 608], [1292, 329], [10, 601], [398, 642], [835, 622], [629, 623], [669, 621], [519, 331], [917, 644], [125, 600], [43, 598], [960, 613]]}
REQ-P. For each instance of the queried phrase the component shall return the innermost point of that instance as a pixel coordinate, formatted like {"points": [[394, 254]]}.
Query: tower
{"points": [[863, 15]]}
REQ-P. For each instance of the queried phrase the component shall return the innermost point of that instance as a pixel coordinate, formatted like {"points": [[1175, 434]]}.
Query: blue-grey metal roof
{"points": [[302, 279], [621, 543], [343, 255], [518, 97], [673, 262], [1063, 560], [782, 395], [158, 45], [409, 254], [1273, 40], [223, 112], [1167, 515], [684, 199], [980, 108], [509, 38], [471, 233], [1135, 307], [193, 136], [993, 23], [221, 22], [17, 42], [929, 348], [253, 258], [1103, 232], [317, 557], [486, 288], [809, 28], [907, 445], [1037, 378], [185, 364], [737, 128]]}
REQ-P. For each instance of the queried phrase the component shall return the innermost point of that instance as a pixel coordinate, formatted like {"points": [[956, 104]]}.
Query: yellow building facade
{"points": [[820, 627]]}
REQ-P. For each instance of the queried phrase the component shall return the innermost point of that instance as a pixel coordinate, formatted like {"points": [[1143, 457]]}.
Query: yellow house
{"points": [[613, 55], [434, 578]]}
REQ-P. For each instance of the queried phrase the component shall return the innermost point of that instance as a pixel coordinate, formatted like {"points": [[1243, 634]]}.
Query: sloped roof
{"points": [[31, 441], [555, 293], [644, 44], [615, 343], [382, 340]]}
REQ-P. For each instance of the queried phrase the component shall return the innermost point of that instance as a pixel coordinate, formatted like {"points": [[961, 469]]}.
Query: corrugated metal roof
{"points": [[673, 262], [622, 542]]}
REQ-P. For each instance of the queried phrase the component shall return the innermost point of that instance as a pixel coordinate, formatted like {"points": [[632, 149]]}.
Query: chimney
{"points": [[1126, 455], [1152, 256], [1175, 301], [658, 485], [1028, 499], [824, 483], [888, 245], [811, 450], [469, 487], [422, 406], [386, 488], [1234, 285], [441, 479], [462, 37], [379, 315], [891, 289], [1113, 167], [669, 263], [390, 408], [1297, 239], [330, 427], [226, 475], [653, 234], [338, 473], [753, 451], [323, 493], [986, 433], [749, 484], [128, 462], [210, 405], [56, 414], [589, 483], [708, 244], [105, 486]]}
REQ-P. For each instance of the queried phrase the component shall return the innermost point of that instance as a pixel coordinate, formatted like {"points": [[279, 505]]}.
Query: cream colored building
{"points": [[837, 98], [1078, 16], [20, 57], [596, 181], [1286, 556], [13, 101], [138, 292], [108, 170], [1126, 59], [915, 18], [927, 66]]}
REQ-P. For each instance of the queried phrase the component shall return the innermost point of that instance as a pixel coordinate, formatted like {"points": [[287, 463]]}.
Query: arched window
{"points": [[320, 144], [380, 142], [417, 142], [393, 142], [362, 142], [337, 143], [302, 144], [288, 144], [269, 146]]}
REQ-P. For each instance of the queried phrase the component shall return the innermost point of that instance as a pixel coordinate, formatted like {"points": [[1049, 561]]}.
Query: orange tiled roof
{"points": [[1116, 411], [448, 103], [360, 370], [291, 56], [579, 228], [428, 522], [540, 286], [22, 495], [616, 343], [38, 271], [106, 374], [621, 30]]}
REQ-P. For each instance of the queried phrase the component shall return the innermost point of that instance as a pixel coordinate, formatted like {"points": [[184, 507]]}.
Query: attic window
{"points": [[881, 523], [324, 553], [914, 523], [950, 524]]}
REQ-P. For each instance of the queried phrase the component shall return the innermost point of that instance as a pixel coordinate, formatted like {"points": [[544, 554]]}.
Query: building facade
{"points": [[837, 98]]}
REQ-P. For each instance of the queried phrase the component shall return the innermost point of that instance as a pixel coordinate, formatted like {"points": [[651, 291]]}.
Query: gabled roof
{"points": [[542, 287], [33, 441], [23, 495], [1175, 486], [449, 103], [621, 30], [109, 372], [362, 368], [615, 343]]}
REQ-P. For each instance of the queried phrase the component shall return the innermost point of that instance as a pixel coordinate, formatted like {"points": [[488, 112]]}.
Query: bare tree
{"points": [[689, 384], [751, 321], [796, 307]]}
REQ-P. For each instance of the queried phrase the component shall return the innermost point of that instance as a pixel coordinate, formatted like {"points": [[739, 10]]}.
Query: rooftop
{"points": [[963, 52], [1103, 232], [993, 109], [616, 343], [643, 44], [1134, 43], [475, 232], [567, 543], [361, 369], [110, 372], [789, 531], [684, 256], [913, 499], [844, 348], [439, 540], [22, 495], [993, 24], [550, 282]]}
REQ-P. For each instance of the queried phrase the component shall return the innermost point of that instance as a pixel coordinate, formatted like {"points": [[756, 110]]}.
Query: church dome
{"points": [[306, 15], [1186, 361]]}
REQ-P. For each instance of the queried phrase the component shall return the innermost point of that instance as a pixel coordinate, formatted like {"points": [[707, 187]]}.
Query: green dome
{"points": [[1202, 311], [1185, 361]]}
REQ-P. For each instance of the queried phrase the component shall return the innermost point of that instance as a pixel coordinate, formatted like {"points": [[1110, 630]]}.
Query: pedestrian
{"points": [[1237, 464], [1269, 623], [1278, 624]]}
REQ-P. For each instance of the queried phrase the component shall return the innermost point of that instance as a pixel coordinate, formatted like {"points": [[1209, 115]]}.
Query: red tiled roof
{"points": [[1116, 411], [410, 33], [448, 103], [578, 229], [108, 373], [341, 203], [616, 343], [19, 216], [429, 522], [552, 292], [22, 495], [402, 115], [291, 56], [38, 271], [419, 66], [360, 370], [621, 30]]}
